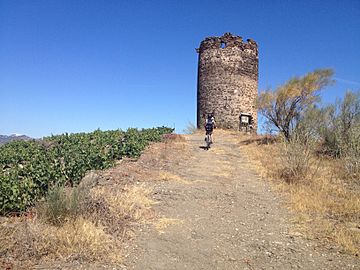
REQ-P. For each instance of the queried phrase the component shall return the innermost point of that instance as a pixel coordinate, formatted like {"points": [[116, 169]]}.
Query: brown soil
{"points": [[214, 212]]}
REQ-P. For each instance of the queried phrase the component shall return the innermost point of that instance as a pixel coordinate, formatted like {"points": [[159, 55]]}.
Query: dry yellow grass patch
{"points": [[162, 223], [168, 176], [7, 232], [83, 238], [262, 158], [33, 242], [325, 207], [130, 202], [80, 238], [173, 150]]}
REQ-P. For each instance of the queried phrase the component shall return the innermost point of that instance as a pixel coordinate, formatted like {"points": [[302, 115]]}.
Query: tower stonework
{"points": [[227, 80]]}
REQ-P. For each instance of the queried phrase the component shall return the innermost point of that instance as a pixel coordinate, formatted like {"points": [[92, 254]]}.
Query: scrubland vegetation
{"points": [[28, 169], [53, 209], [314, 158]]}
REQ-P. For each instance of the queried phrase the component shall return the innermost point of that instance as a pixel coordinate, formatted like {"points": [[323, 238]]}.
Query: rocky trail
{"points": [[216, 213]]}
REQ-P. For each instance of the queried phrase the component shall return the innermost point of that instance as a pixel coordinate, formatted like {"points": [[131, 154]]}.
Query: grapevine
{"points": [[29, 168]]}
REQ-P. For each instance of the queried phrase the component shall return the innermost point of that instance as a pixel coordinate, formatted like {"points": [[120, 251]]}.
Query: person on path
{"points": [[210, 125]]}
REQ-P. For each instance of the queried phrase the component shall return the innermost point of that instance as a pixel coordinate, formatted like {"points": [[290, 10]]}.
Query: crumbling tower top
{"points": [[227, 41]]}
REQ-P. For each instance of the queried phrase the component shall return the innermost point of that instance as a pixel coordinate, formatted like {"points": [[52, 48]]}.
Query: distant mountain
{"points": [[5, 139]]}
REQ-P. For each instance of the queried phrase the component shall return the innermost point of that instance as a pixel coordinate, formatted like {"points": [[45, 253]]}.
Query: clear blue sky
{"points": [[71, 66]]}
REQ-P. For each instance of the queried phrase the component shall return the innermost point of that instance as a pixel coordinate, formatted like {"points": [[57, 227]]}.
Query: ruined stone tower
{"points": [[227, 80]]}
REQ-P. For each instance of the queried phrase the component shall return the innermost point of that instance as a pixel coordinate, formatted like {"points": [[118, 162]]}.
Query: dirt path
{"points": [[219, 215]]}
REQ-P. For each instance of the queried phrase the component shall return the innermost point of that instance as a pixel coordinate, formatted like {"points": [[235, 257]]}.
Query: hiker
{"points": [[210, 125]]}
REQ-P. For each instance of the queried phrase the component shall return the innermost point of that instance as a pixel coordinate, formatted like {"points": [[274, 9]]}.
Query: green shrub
{"points": [[63, 204], [343, 123], [55, 208], [29, 168], [350, 154]]}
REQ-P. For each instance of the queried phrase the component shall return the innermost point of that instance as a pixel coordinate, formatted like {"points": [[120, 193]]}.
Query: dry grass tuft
{"points": [[258, 139], [325, 206], [162, 223], [33, 242], [7, 239], [172, 145], [79, 238], [168, 176], [173, 138], [131, 203], [349, 238], [94, 236]]}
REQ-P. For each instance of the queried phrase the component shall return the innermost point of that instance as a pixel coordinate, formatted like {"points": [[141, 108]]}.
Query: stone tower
{"points": [[227, 80]]}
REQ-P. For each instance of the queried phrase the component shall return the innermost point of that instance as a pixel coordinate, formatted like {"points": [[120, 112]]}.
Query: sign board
{"points": [[244, 119]]}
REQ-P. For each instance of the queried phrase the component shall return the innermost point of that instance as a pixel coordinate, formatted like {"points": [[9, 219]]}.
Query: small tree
{"points": [[285, 106]]}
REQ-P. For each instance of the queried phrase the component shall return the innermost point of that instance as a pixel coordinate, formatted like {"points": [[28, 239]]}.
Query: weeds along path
{"points": [[215, 213]]}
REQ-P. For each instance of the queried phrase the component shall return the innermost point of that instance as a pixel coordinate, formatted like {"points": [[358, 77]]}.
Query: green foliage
{"points": [[284, 107], [29, 168], [341, 132]]}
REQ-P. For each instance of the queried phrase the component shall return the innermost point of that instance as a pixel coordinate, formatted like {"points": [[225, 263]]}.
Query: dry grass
{"points": [[8, 229], [347, 238], [130, 202], [168, 138], [162, 223], [168, 176], [32, 242], [94, 236], [79, 238], [172, 145], [324, 205]]}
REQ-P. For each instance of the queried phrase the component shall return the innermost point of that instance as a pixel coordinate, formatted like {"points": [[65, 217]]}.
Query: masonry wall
{"points": [[227, 80]]}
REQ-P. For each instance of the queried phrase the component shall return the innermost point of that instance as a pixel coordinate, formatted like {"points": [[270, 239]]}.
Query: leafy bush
{"points": [[29, 168]]}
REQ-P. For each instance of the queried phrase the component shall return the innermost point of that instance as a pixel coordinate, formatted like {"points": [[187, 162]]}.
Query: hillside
{"points": [[178, 207], [5, 139]]}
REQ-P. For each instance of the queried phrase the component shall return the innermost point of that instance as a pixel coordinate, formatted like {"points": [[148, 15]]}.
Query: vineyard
{"points": [[29, 168]]}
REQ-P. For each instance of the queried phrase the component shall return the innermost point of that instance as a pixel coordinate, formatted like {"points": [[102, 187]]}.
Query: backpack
{"points": [[209, 126]]}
